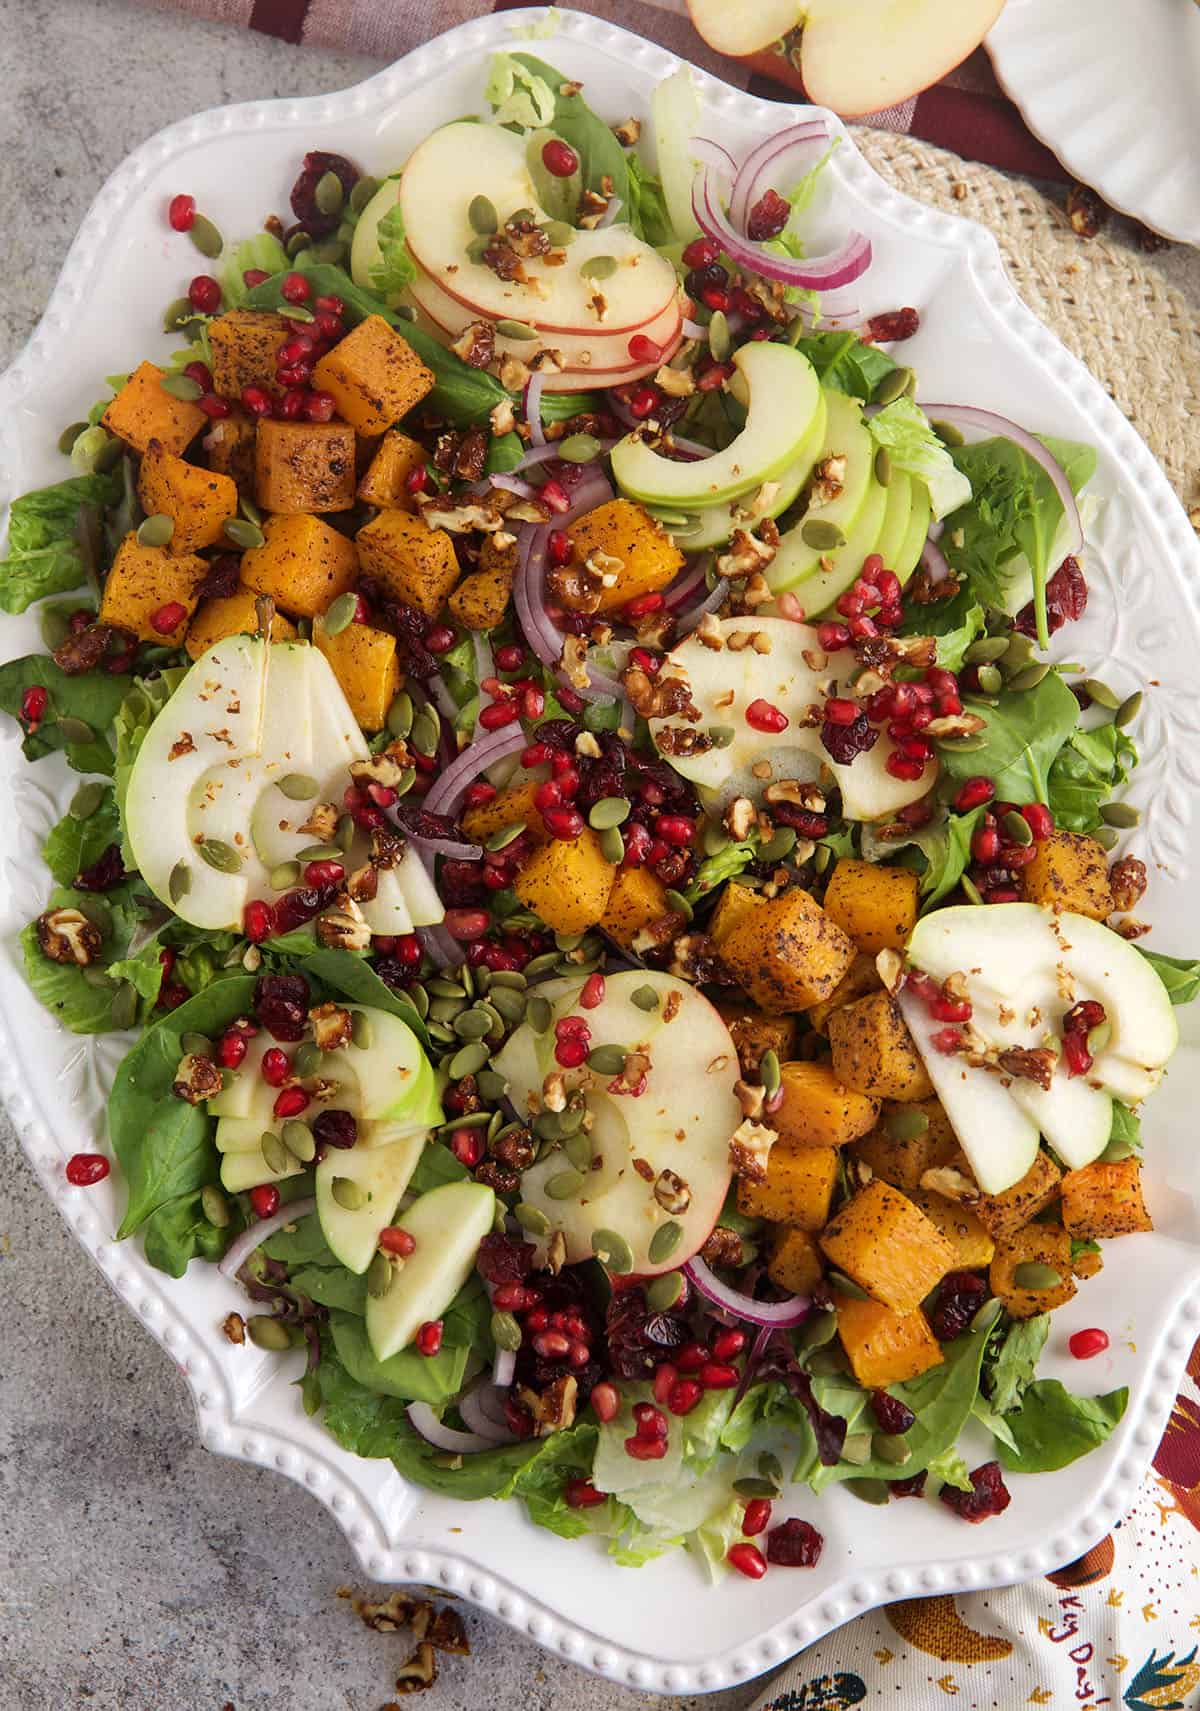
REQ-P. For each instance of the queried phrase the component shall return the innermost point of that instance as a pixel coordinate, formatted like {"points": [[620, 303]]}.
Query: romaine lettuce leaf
{"points": [[44, 554], [903, 429]]}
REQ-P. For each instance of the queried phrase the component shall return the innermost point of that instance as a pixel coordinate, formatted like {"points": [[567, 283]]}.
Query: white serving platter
{"points": [[661, 1627]]}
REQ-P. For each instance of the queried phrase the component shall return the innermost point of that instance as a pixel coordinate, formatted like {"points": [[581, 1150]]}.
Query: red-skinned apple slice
{"points": [[741, 29], [859, 56]]}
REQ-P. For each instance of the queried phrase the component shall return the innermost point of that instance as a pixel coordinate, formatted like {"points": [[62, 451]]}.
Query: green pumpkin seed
{"points": [[537, 966], [182, 386], [948, 433], [987, 650], [1029, 677], [563, 1185], [720, 339], [284, 876], [770, 1467], [883, 467], [473, 1024], [579, 448], [749, 1486], [1129, 709], [468, 1059], [478, 248], [329, 194], [1107, 837], [364, 188], [405, 781], [86, 800], [299, 1140], [538, 1013], [1101, 694], [444, 1010], [1018, 653], [362, 1031], [510, 977], [780, 846], [75, 730], [307, 1058], [69, 435], [425, 731], [891, 1447], [205, 236], [176, 313], [348, 1194], [298, 241], [276, 1154], [769, 1073], [664, 1292], [96, 976], [381, 1274], [420, 1001], [156, 531], [443, 987], [894, 385], [962, 745], [664, 1241], [598, 267], [987, 1315], [180, 882], [400, 715], [1121, 814], [510, 1006], [846, 1286], [267, 1332], [220, 855], [613, 1251], [868, 1490], [612, 846], [505, 835], [607, 1060], [517, 331], [819, 1330], [482, 215], [645, 997], [714, 838], [297, 786], [295, 312], [821, 535], [906, 1123], [506, 1333], [578, 1149], [1016, 828], [822, 857], [678, 904], [857, 1448], [547, 1126], [243, 533], [1099, 1038], [340, 614], [214, 1205], [991, 679], [123, 1010], [319, 852], [1032, 1274], [559, 233]]}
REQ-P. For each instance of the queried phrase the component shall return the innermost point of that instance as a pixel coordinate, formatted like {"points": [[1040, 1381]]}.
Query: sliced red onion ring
{"points": [[504, 1368], [713, 155], [514, 484], [531, 404], [779, 1314], [440, 945], [693, 330], [988, 422], [610, 213], [441, 697], [453, 848], [933, 562], [529, 595], [241, 1247], [447, 791], [818, 273], [779, 159], [687, 581], [690, 448], [473, 1407], [423, 1420], [686, 622]]}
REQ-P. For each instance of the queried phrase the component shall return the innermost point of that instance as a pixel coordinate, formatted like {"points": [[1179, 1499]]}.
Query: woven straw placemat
{"points": [[1113, 310]]}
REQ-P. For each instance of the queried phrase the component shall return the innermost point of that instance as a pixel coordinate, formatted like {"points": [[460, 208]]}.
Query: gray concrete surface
{"points": [[136, 1571]]}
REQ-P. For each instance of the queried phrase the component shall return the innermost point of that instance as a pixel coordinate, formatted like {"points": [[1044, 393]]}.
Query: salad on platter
{"points": [[617, 919]]}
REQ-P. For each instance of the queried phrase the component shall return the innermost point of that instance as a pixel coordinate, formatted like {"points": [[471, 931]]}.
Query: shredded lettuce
{"points": [[517, 95], [44, 553], [395, 268], [262, 251], [904, 430]]}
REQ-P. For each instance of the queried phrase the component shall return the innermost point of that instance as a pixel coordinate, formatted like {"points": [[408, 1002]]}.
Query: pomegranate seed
{"points": [[466, 924], [328, 327], [256, 400], [318, 407], [204, 294], [324, 872], [650, 1421], [901, 767], [1039, 819], [537, 1320], [214, 407], [555, 495], [547, 795], [758, 1513], [840, 712], [498, 714], [973, 794], [417, 479], [684, 1396], [592, 994], [644, 402], [533, 702], [675, 829], [985, 845], [440, 639], [701, 252], [646, 1449], [551, 1345], [1086, 1344], [947, 1041], [581, 1493], [258, 921], [714, 377], [511, 657], [642, 349], [34, 703], [254, 276], [467, 1147], [296, 349], [1075, 1051], [761, 716], [295, 289], [408, 950], [330, 305], [168, 617], [290, 405], [606, 1402], [84, 1169], [479, 793], [291, 1102], [950, 1010], [715, 298], [265, 1200], [569, 701], [643, 606], [748, 1560], [429, 1338], [691, 1357], [715, 1375], [181, 212], [559, 159], [572, 1027], [647, 662], [394, 1240], [564, 823], [665, 1378], [570, 1053], [728, 1344], [200, 373], [1002, 894]]}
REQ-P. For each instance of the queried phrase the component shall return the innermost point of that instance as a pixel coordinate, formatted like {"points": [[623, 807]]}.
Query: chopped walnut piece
{"points": [[751, 1096], [184, 744], [476, 344], [739, 819], [723, 1247], [709, 634], [471, 456], [234, 1328], [747, 555], [66, 935], [1085, 211], [554, 1092], [672, 1192], [331, 1026], [797, 793], [363, 883], [675, 382], [196, 1079], [627, 132], [574, 662], [951, 1184], [448, 1634], [386, 768], [828, 479], [660, 697], [513, 373], [420, 1672], [592, 209], [322, 823], [553, 1409], [749, 1149], [586, 745], [556, 1252], [547, 361], [1131, 928], [342, 927], [1036, 1063], [502, 417], [1127, 882], [398, 1610]]}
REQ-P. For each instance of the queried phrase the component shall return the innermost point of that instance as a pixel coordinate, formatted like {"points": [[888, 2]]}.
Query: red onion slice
{"points": [[686, 621], [532, 406], [528, 595], [687, 582], [779, 1314], [513, 483], [820, 273], [447, 792], [988, 422], [453, 848], [504, 1368], [425, 1422], [693, 330], [261, 1230], [473, 1406], [713, 155], [774, 159], [440, 946], [933, 562]]}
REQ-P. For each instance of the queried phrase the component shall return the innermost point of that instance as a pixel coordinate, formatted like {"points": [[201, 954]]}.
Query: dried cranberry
{"points": [[912, 1487], [895, 324], [281, 1004], [335, 1128], [108, 870], [222, 579], [304, 191], [802, 820], [960, 1296], [988, 1494], [296, 907], [794, 1544], [844, 742], [768, 217], [503, 1259], [893, 1415], [1066, 600]]}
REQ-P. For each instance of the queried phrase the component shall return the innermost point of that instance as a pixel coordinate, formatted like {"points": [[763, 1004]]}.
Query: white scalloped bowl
{"points": [[659, 1627]]}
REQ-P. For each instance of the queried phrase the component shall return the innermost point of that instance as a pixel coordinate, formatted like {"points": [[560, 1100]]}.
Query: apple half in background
{"points": [[855, 56]]}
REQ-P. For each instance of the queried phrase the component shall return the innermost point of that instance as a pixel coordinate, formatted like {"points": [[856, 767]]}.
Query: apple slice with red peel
{"points": [[740, 29], [859, 56]]}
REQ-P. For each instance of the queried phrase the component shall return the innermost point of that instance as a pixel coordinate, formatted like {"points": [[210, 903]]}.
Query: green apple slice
{"points": [[896, 518], [782, 394], [447, 1225], [837, 569], [240, 1096], [717, 522], [381, 1173], [908, 554], [247, 1168], [846, 439]]}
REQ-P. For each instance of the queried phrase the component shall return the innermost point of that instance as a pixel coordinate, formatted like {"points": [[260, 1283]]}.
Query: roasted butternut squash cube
{"points": [[245, 349], [235, 615], [384, 482], [415, 563], [230, 444], [735, 905], [902, 1158], [149, 583], [1070, 872], [1002, 1215], [1105, 1199], [884, 1347], [798, 1190], [302, 564], [303, 466], [794, 1260], [787, 953], [874, 1051], [373, 375], [198, 501], [876, 905], [510, 807], [817, 1111], [888, 1246], [860, 978], [637, 898], [973, 1246], [567, 884], [142, 411], [626, 549], [1039, 1245], [365, 664], [481, 599], [753, 1034]]}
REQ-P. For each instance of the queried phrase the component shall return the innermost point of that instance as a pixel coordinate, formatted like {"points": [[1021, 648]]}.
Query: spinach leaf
{"points": [[93, 697], [163, 1144], [408, 1375], [1052, 1428], [76, 844], [1088, 770], [261, 251], [331, 1286], [82, 999], [1010, 1371], [1180, 975], [1126, 1127], [1024, 734], [955, 623], [437, 1165], [179, 1232], [44, 551], [601, 157], [303, 1245], [941, 853], [353, 978], [845, 364]]}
